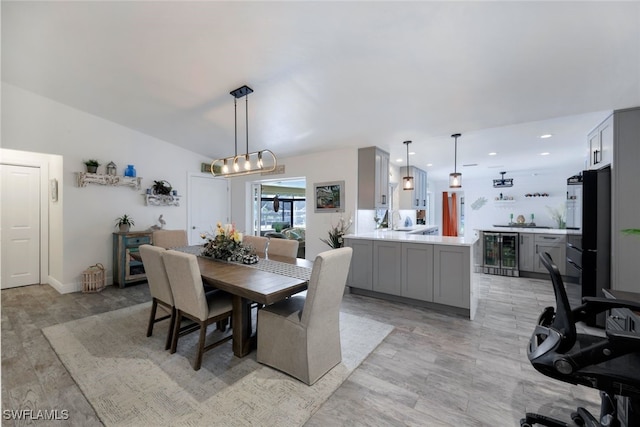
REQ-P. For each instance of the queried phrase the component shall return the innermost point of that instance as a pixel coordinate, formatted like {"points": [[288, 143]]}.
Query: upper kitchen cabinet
{"points": [[416, 198], [601, 145], [373, 178]]}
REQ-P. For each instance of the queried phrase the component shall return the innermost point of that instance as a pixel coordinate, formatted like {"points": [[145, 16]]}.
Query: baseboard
{"points": [[67, 288]]}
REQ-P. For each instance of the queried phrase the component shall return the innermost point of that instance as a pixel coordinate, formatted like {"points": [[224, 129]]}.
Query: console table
{"points": [[126, 269]]}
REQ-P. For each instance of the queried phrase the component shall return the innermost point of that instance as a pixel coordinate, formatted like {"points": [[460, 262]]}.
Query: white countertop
{"points": [[530, 230], [408, 236]]}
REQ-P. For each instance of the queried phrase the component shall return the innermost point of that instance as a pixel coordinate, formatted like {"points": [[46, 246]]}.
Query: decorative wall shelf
{"points": [[84, 178], [161, 200]]}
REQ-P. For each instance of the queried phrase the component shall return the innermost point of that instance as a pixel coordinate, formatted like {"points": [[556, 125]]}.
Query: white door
{"points": [[208, 204], [20, 225]]}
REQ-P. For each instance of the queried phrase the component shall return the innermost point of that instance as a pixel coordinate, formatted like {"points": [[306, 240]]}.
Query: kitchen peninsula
{"points": [[412, 267]]}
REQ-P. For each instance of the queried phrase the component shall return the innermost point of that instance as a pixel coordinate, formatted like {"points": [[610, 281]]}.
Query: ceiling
{"points": [[328, 75]]}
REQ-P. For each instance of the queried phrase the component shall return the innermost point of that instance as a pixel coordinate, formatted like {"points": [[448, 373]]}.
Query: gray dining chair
{"points": [[159, 288], [258, 243], [283, 247], [170, 238], [301, 335], [192, 302]]}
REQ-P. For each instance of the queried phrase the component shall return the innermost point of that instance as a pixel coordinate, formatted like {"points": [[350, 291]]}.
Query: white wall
{"points": [[83, 231], [327, 166], [495, 212]]}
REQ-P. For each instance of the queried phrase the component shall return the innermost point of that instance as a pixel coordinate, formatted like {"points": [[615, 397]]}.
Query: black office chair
{"points": [[610, 364]]}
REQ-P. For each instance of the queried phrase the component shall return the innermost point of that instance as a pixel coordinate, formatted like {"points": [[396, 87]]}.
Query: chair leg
{"points": [[171, 328], [176, 327], [152, 317], [203, 336]]}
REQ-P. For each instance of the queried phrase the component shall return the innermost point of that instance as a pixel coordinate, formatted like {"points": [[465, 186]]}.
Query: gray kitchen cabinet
{"points": [[373, 178], [526, 252], [452, 275], [416, 198], [601, 145], [556, 246], [361, 269], [417, 271], [387, 267]]}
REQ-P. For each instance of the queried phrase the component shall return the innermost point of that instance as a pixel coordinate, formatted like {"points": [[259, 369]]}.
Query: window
{"points": [[292, 211]]}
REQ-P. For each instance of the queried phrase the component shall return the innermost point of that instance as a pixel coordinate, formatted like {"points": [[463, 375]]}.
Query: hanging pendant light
{"points": [[455, 178], [407, 181], [263, 161]]}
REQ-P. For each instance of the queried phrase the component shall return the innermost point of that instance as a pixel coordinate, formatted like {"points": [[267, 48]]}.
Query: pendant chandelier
{"points": [[455, 178], [247, 163], [407, 181]]}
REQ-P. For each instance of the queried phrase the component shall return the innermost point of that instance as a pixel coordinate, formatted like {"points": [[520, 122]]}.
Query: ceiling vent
{"points": [[502, 182]]}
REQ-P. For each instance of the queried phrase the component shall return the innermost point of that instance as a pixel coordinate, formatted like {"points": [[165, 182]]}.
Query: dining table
{"points": [[272, 279]]}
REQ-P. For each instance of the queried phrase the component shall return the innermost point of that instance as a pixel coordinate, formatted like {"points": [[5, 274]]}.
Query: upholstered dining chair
{"points": [[259, 243], [192, 302], [301, 335], [170, 238], [159, 288], [283, 247]]}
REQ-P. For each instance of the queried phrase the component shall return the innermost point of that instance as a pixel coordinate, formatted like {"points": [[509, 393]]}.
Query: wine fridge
{"points": [[501, 253]]}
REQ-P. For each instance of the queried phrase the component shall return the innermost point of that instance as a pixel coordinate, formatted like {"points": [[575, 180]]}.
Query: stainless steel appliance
{"points": [[500, 253], [589, 249]]}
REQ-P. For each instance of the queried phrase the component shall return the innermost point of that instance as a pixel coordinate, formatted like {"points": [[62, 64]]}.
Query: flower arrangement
{"points": [[337, 232], [225, 244]]}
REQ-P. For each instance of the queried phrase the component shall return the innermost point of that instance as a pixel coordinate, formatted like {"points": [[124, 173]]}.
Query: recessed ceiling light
{"points": [[429, 164], [493, 153], [411, 153], [546, 153], [546, 135], [399, 160]]}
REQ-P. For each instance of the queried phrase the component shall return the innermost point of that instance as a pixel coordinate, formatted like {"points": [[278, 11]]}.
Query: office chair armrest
{"points": [[595, 305]]}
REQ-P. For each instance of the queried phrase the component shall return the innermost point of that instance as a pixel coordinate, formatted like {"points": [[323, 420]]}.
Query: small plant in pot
{"points": [[162, 188], [124, 223], [92, 165]]}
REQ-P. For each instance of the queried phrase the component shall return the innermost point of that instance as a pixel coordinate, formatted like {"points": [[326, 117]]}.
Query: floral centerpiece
{"points": [[337, 232], [225, 244], [559, 215]]}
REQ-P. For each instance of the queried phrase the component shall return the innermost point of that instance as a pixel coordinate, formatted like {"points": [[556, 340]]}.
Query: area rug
{"points": [[130, 380]]}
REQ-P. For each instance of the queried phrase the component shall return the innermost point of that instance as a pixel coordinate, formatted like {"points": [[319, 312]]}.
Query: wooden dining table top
{"points": [[253, 284]]}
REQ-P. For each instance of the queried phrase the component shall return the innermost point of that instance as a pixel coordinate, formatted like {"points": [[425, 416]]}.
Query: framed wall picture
{"points": [[329, 196]]}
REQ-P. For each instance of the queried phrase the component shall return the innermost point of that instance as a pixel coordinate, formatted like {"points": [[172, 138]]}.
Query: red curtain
{"points": [[449, 214]]}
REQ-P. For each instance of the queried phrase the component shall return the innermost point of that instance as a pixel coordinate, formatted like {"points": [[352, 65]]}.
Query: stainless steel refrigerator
{"points": [[589, 250]]}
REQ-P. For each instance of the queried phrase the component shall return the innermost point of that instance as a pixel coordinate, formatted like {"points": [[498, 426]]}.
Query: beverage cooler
{"points": [[500, 253]]}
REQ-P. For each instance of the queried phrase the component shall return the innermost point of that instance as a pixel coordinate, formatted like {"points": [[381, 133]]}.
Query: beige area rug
{"points": [[130, 380]]}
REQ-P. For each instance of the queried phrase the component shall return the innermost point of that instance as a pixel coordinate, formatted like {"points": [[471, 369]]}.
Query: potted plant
{"points": [[124, 223], [161, 187], [92, 165]]}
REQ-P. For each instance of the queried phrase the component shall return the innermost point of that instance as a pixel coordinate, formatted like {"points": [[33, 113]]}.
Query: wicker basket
{"points": [[93, 279]]}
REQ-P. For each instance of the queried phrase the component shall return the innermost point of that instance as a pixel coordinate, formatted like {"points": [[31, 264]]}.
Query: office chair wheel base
{"points": [[524, 423], [576, 418]]}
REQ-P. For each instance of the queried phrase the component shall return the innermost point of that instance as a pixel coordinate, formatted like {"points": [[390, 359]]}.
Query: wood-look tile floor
{"points": [[434, 369]]}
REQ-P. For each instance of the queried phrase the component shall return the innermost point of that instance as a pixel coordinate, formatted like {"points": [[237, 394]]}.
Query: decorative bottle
{"points": [[130, 171]]}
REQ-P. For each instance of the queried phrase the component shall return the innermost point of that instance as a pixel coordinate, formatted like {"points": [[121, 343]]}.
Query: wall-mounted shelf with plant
{"points": [[162, 193], [84, 178]]}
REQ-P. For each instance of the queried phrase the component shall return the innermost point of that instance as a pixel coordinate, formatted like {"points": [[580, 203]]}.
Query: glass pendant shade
{"points": [[407, 183], [455, 180]]}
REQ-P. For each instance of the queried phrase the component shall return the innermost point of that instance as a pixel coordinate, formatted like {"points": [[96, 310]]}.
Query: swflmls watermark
{"points": [[36, 415]]}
